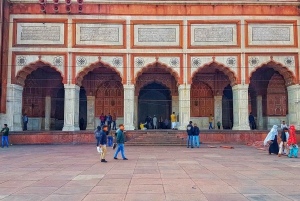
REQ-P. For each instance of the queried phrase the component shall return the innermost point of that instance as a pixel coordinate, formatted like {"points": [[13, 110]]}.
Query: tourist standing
{"points": [[154, 122], [120, 142], [103, 142], [97, 136], [210, 120], [271, 139], [25, 122], [102, 119], [283, 144], [108, 121], [292, 143], [190, 133], [5, 132], [114, 119], [173, 120], [219, 125], [283, 125], [252, 121], [196, 136]]}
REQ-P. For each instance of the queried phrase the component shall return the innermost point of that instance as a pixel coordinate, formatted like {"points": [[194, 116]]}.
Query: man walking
{"points": [[25, 122], [4, 132], [210, 120], [196, 135], [120, 142], [103, 142], [173, 120], [190, 132]]}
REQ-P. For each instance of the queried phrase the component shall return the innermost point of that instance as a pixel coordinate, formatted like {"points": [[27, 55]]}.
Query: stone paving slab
{"points": [[75, 173]]}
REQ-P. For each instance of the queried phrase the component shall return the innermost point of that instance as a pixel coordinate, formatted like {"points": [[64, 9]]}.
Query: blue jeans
{"points": [[5, 138], [25, 125], [98, 141], [210, 125], [102, 123], [120, 148], [114, 125], [110, 141], [196, 141], [189, 141]]}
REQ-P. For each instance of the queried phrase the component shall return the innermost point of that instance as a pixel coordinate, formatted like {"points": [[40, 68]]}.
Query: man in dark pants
{"points": [[252, 121], [25, 122], [190, 132]]}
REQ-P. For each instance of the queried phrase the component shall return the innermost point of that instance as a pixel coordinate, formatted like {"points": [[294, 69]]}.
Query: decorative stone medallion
{"points": [[253, 61], [58, 61], [196, 62], [231, 61], [174, 62], [21, 61], [289, 61], [81, 61], [117, 62], [139, 62]]}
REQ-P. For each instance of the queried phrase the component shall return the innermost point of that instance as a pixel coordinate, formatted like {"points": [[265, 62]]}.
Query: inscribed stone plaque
{"points": [[40, 33], [213, 34], [99, 34], [270, 34], [156, 35]]}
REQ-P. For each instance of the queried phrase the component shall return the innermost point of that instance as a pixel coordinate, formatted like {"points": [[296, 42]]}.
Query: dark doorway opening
{"points": [[227, 108], [82, 109], [154, 99]]}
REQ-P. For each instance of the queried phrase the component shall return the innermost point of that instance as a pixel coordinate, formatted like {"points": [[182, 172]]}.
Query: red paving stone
{"points": [[74, 172]]}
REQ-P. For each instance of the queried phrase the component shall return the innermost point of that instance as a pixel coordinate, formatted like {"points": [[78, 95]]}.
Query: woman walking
{"points": [[271, 139]]}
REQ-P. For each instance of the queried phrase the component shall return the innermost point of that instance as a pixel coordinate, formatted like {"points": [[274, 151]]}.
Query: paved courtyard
{"points": [[74, 172]]}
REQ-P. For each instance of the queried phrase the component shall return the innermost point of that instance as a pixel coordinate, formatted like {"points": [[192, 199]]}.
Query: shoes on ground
{"points": [[103, 161], [125, 159], [116, 158]]}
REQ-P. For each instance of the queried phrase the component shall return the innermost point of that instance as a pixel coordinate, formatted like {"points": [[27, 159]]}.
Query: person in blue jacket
{"points": [[103, 142], [190, 132], [196, 136]]}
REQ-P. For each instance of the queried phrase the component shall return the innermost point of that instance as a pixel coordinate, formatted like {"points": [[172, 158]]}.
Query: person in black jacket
{"points": [[190, 132], [103, 141], [196, 136]]}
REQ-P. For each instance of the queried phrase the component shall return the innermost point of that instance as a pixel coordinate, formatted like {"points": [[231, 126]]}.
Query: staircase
{"points": [[156, 138]]}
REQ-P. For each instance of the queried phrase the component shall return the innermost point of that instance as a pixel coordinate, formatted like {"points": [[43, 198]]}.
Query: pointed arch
{"points": [[288, 75], [91, 67], [160, 65], [28, 69], [221, 67]]}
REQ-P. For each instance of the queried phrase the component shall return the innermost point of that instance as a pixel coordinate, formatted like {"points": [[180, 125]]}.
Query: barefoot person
{"points": [[271, 139], [120, 142]]}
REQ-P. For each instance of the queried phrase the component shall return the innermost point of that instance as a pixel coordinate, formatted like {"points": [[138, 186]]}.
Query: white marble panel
{"points": [[99, 34], [156, 35], [270, 34], [34, 123], [40, 33], [213, 34]]}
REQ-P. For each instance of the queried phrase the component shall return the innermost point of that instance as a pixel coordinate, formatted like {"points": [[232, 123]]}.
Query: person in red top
{"points": [[102, 119], [292, 142]]}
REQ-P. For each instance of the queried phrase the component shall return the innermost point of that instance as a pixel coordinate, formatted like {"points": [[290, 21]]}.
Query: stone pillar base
{"points": [[70, 128]]}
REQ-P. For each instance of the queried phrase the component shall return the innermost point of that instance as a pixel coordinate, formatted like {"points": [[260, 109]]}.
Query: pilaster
{"points": [[218, 110], [47, 113], [90, 122], [129, 106], [71, 113], [294, 105], [175, 104], [240, 107], [184, 105], [260, 123], [14, 107], [136, 105]]}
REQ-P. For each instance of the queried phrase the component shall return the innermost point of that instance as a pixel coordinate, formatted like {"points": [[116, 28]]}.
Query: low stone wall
{"points": [[79, 137]]}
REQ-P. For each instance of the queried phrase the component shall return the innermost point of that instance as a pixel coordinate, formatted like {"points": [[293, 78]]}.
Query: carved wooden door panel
{"points": [[202, 100]]}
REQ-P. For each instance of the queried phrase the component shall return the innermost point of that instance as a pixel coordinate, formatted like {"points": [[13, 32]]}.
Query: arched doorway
{"points": [[103, 85], [82, 108], [43, 87], [154, 99], [211, 93], [156, 93], [268, 98]]}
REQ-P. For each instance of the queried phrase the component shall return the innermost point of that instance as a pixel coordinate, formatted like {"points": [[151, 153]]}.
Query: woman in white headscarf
{"points": [[271, 139]]}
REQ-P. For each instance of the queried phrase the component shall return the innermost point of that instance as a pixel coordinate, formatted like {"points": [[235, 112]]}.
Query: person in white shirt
{"points": [[154, 122], [283, 125]]}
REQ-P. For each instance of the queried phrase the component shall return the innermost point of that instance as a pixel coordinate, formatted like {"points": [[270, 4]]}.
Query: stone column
{"points": [[47, 112], [14, 107], [294, 105], [240, 107], [90, 121], [136, 105], [129, 107], [259, 122], [175, 104], [184, 105], [71, 114], [218, 110]]}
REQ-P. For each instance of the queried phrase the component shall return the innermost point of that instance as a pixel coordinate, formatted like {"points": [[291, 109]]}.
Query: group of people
{"points": [[108, 120], [193, 133], [101, 134], [154, 123], [288, 144]]}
